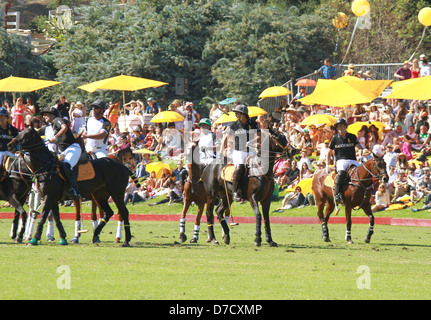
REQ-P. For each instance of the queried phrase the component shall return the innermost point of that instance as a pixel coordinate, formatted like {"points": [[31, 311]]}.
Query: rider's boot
{"points": [[71, 180], [339, 181], [236, 179]]}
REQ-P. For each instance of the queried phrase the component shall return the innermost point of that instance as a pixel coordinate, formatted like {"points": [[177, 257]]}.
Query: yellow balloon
{"points": [[340, 21], [360, 7], [424, 16]]}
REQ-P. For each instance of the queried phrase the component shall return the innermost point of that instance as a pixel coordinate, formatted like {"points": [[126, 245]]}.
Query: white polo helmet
{"points": [[378, 150]]}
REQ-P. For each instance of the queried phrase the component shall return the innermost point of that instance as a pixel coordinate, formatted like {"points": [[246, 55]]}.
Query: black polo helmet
{"points": [[340, 121], [241, 109], [98, 103], [51, 110]]}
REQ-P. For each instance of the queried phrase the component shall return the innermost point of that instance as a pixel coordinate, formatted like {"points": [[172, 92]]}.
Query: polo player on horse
{"points": [[243, 130], [343, 146]]}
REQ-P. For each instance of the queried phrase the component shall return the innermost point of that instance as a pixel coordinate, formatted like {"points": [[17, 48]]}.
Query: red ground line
{"points": [[274, 220]]}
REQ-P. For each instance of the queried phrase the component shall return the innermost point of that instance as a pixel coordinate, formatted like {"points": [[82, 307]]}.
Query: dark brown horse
{"points": [[125, 156], [15, 191], [258, 187], [356, 193], [110, 180], [194, 191]]}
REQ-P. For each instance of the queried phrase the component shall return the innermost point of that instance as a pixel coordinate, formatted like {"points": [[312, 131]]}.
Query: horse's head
{"points": [[28, 139], [126, 157], [278, 143], [377, 167]]}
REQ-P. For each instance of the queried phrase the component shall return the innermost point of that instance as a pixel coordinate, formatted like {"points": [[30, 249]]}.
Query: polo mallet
{"points": [[228, 202]]}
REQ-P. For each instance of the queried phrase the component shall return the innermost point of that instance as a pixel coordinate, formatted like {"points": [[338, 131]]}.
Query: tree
{"points": [[220, 47]]}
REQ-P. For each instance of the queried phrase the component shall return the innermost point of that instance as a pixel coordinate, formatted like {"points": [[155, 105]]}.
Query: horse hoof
{"points": [[126, 244], [183, 237], [75, 240], [367, 240], [18, 240], [257, 244], [273, 244], [117, 240], [326, 239], [194, 240], [96, 240], [226, 239], [214, 241], [63, 242]]}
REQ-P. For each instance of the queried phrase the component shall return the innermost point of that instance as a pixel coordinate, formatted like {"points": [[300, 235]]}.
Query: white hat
{"points": [[378, 150], [422, 56]]}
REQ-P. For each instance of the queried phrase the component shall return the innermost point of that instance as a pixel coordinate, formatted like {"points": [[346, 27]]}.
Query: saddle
{"points": [[85, 168], [330, 178]]}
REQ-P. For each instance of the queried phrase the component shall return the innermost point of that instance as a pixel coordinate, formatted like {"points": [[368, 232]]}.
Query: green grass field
{"points": [[395, 265]]}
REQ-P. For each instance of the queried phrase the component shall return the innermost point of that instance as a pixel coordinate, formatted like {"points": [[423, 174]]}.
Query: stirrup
{"points": [[338, 198]]}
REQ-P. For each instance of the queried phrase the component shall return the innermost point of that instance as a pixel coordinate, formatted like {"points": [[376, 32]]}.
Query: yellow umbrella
{"points": [[229, 117], [167, 116], [345, 91], [122, 83], [276, 91], [414, 89], [355, 127], [306, 186], [255, 111], [143, 151], [158, 167], [18, 84], [319, 119]]}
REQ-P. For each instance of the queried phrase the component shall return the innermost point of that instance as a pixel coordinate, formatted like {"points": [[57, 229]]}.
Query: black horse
{"points": [[110, 180], [15, 191], [256, 187]]}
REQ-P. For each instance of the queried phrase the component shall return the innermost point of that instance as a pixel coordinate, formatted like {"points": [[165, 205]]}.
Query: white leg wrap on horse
{"points": [[77, 227], [182, 225], [94, 223], [196, 232], [119, 229], [31, 224], [50, 229]]}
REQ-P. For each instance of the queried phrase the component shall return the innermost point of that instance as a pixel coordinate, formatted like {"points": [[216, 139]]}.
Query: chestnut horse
{"points": [[356, 193]]}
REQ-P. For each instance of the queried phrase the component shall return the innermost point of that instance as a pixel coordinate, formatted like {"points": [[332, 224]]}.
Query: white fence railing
{"points": [[13, 25]]}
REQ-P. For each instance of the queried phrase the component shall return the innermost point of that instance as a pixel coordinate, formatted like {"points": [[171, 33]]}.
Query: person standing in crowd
{"points": [[152, 107], [114, 112], [97, 131], [7, 133], [63, 106], [77, 115], [404, 72], [327, 70], [18, 113]]}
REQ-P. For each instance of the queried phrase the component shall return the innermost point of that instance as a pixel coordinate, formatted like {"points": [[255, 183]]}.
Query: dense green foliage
{"points": [[222, 49]]}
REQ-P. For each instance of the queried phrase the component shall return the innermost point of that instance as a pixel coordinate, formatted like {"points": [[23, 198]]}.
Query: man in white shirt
{"points": [[97, 131]]}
